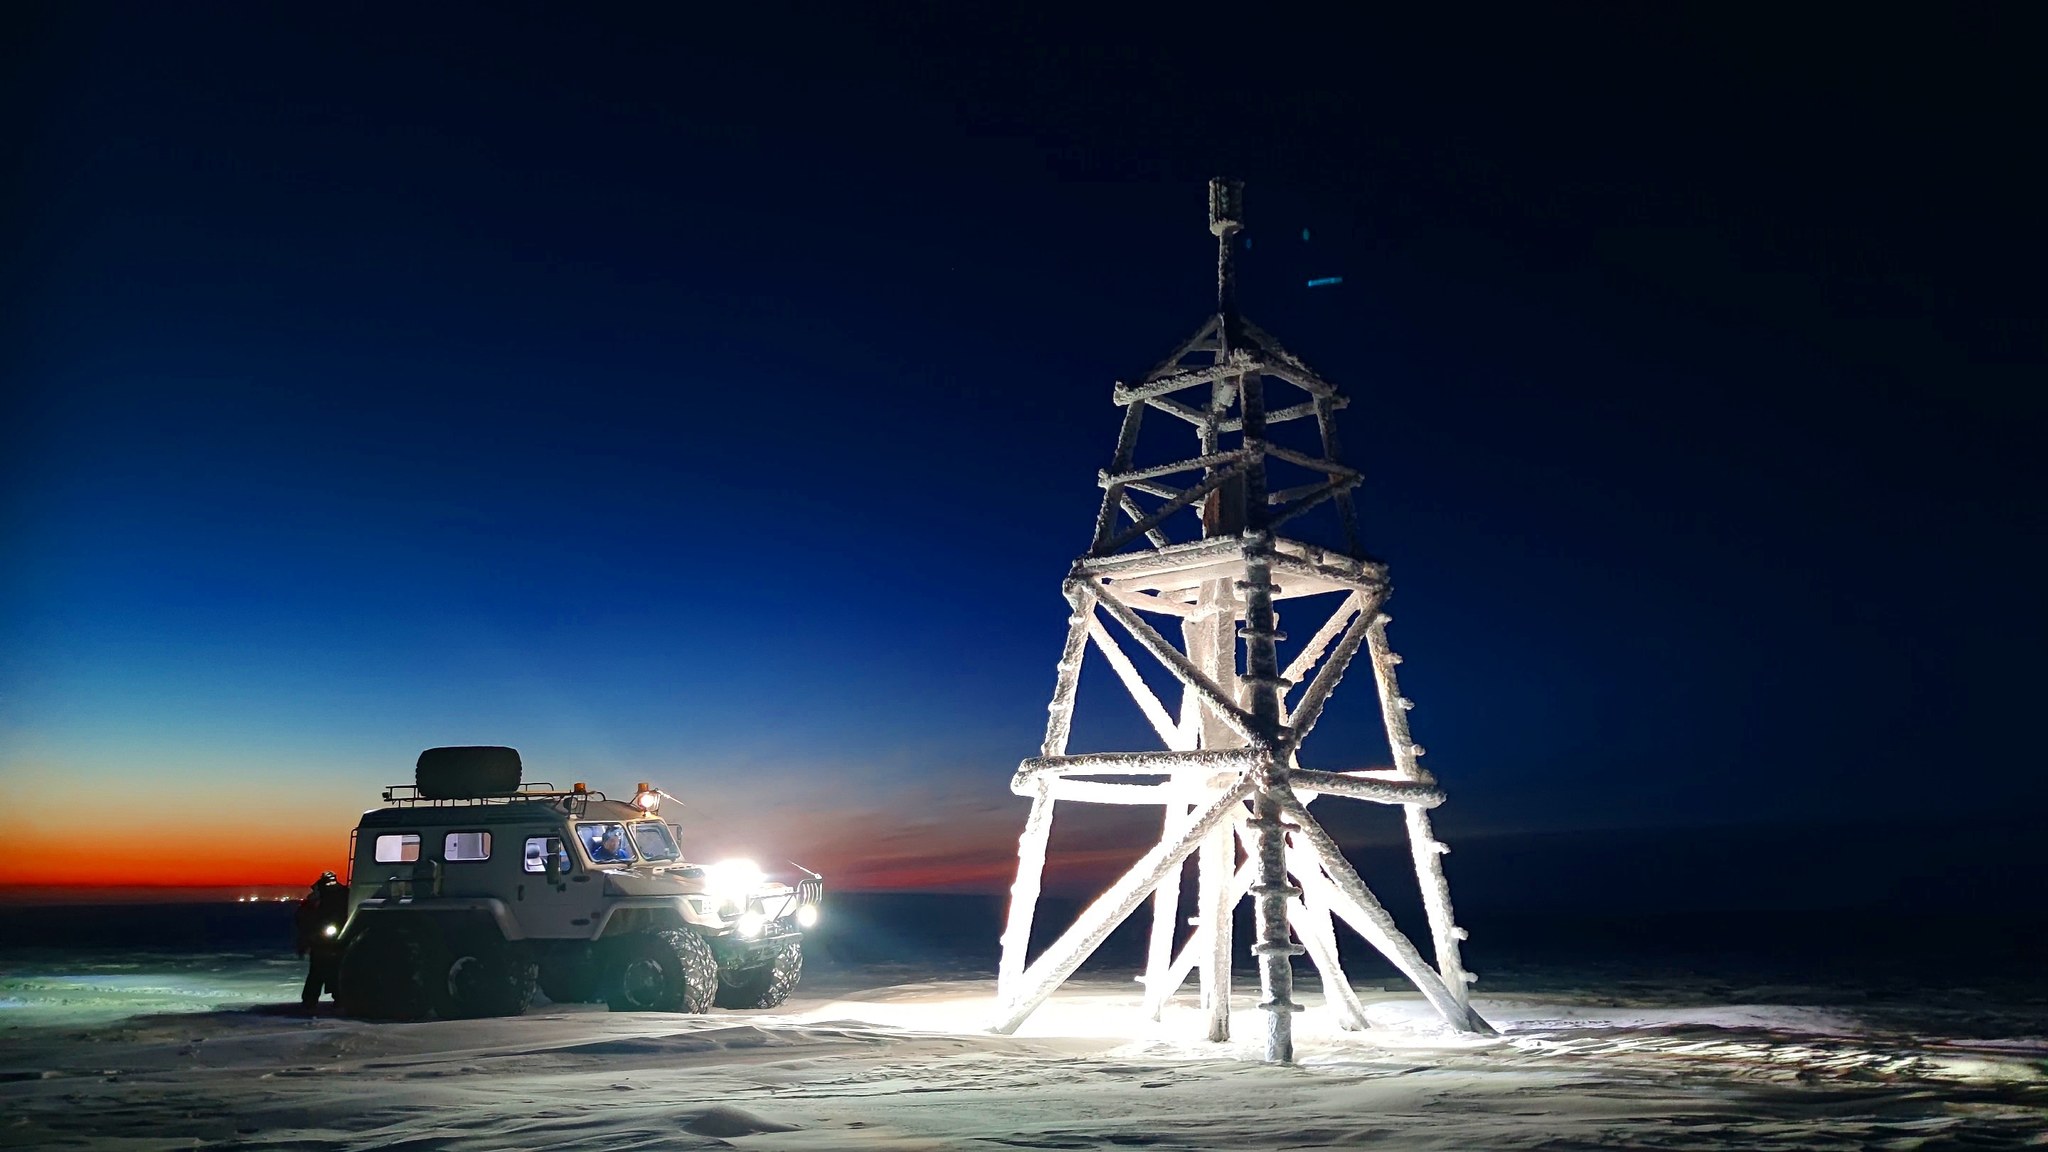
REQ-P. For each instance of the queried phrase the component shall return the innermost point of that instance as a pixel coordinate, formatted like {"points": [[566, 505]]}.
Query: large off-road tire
{"points": [[668, 970], [483, 974], [383, 975], [570, 976], [764, 985]]}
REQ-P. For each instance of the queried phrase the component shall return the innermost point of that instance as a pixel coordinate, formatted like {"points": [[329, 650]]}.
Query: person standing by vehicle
{"points": [[322, 912]]}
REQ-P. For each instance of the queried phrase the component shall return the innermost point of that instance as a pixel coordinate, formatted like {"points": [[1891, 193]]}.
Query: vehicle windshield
{"points": [[654, 841], [606, 842]]}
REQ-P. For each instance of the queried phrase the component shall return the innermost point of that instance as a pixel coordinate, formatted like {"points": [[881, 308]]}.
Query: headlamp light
{"points": [[733, 881]]}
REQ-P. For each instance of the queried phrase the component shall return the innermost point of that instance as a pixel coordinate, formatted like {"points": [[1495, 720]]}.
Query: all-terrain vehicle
{"points": [[470, 887]]}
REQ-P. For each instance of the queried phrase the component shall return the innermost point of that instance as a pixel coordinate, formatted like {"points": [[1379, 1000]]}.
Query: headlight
{"points": [[807, 916], [732, 881], [330, 930], [750, 925]]}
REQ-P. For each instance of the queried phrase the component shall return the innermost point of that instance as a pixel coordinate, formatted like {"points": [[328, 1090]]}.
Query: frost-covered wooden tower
{"points": [[1228, 775]]}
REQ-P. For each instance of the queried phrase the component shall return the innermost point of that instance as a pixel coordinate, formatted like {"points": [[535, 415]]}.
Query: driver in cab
{"points": [[610, 848]]}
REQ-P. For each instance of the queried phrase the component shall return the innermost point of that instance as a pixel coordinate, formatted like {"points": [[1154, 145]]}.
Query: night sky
{"points": [[717, 400]]}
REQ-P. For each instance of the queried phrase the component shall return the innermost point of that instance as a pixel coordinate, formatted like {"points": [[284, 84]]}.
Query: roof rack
{"points": [[408, 796]]}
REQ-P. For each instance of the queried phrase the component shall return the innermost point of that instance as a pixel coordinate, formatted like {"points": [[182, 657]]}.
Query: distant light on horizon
{"points": [[1323, 281]]}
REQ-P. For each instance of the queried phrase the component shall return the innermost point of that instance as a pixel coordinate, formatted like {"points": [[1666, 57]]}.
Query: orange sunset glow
{"points": [[48, 855], [273, 841]]}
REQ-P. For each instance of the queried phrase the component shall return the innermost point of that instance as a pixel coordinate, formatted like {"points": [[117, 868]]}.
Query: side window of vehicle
{"points": [[398, 848], [537, 853], [466, 846]]}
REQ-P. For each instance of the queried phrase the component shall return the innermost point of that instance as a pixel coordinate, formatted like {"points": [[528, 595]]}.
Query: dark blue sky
{"points": [[719, 398]]}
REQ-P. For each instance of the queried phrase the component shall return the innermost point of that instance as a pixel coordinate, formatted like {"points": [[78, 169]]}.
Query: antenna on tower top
{"points": [[1226, 219], [1226, 206]]}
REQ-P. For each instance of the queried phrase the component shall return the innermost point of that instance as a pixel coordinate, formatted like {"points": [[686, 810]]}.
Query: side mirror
{"points": [[551, 861]]}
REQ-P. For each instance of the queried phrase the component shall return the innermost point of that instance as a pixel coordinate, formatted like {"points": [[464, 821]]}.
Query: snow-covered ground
{"points": [[178, 1051]]}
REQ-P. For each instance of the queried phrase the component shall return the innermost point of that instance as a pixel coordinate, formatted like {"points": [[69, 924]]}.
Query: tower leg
{"points": [[1427, 851], [1313, 925], [1031, 845], [1024, 893], [1214, 651], [1165, 919], [1191, 951], [1272, 892], [1218, 853]]}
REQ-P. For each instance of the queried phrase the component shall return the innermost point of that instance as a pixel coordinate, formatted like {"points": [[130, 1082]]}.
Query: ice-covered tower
{"points": [[1228, 774]]}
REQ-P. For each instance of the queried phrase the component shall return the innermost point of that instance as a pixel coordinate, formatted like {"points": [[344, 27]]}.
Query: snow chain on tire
{"points": [[484, 975], [380, 976], [667, 970], [767, 985]]}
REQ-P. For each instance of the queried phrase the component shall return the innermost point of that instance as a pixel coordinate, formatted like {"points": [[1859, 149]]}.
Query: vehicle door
{"points": [[557, 903]]}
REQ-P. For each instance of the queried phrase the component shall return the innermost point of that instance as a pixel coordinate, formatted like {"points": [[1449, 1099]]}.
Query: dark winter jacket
{"points": [[326, 906]]}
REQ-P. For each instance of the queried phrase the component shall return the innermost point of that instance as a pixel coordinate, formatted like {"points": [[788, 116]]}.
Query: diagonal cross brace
{"points": [[1310, 710], [1312, 463], [1180, 500], [1347, 895], [1163, 724], [1201, 341], [1310, 497], [1190, 954], [1298, 668], [1311, 920], [1226, 709], [1179, 410], [1131, 509], [1049, 971]]}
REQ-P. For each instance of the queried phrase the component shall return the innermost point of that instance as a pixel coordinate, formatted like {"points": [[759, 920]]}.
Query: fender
{"points": [[671, 904]]}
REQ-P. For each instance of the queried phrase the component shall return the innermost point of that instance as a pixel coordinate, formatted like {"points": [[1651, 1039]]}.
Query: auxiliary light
{"points": [[732, 881]]}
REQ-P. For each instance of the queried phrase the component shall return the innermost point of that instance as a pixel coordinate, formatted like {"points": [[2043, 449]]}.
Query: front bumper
{"points": [[732, 952], [780, 909]]}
